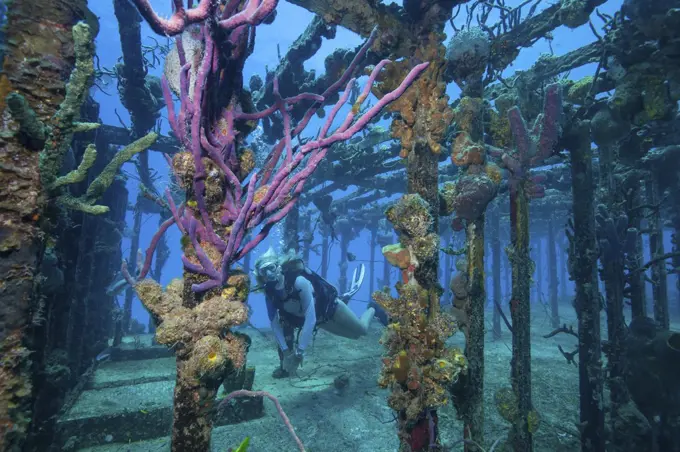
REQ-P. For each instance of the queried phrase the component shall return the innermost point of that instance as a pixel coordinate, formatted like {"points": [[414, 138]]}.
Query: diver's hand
{"points": [[291, 361], [355, 285]]}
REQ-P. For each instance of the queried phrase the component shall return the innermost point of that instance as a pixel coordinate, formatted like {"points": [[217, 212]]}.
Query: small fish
{"points": [[104, 355], [351, 257], [143, 411], [116, 287]]}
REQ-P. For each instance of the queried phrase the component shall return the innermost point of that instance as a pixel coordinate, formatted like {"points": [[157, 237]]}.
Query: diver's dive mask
{"points": [[269, 271]]}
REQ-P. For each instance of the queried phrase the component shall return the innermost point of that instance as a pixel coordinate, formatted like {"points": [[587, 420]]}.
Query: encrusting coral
{"points": [[426, 103], [54, 138], [203, 332], [417, 365], [477, 185]]}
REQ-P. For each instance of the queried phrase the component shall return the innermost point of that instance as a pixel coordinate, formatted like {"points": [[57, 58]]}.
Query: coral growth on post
{"points": [[225, 198], [478, 182], [423, 113], [533, 145], [531, 148], [417, 365], [37, 136], [54, 138]]}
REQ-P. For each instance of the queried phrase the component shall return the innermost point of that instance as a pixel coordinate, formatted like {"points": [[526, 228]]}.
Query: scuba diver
{"points": [[298, 298]]}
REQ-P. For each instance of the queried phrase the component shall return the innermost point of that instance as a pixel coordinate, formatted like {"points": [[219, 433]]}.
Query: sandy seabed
{"points": [[358, 419]]}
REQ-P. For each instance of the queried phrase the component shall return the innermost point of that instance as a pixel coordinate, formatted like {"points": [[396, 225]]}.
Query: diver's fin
{"points": [[356, 282]]}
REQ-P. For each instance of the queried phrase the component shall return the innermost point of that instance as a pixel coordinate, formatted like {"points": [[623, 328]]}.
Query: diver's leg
{"points": [[289, 335], [346, 324], [380, 313]]}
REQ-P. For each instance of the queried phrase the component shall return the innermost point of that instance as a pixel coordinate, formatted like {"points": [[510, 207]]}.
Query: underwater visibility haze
{"points": [[340, 225]]}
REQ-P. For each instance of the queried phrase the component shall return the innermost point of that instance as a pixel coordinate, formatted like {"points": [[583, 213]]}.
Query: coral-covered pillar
{"points": [[424, 116], [563, 270], [346, 232], [675, 238], [198, 326], [583, 265], [38, 57], [307, 236], [475, 189], [552, 275], [520, 312], [495, 225], [422, 172], [371, 268], [325, 249], [656, 249], [539, 263], [384, 238], [138, 100], [638, 295], [468, 53], [448, 265], [192, 417], [473, 412], [617, 219], [417, 366], [532, 145]]}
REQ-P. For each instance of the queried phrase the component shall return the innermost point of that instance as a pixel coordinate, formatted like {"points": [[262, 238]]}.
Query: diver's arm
{"points": [[277, 329], [308, 306]]}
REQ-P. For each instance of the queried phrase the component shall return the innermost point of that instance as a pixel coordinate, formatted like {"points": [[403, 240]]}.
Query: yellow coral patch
{"points": [[229, 292], [260, 194], [247, 161], [494, 173]]}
